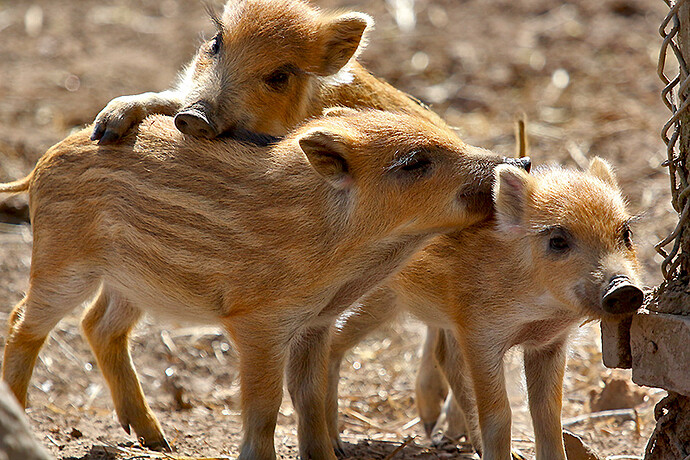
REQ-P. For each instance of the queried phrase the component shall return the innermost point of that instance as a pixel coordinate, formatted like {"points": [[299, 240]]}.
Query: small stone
{"points": [[576, 449], [618, 393]]}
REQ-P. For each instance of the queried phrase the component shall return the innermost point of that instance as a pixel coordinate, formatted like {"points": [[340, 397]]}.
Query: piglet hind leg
{"points": [[460, 407], [430, 388], [544, 370], [456, 425], [340, 345], [375, 310], [47, 301], [107, 325]]}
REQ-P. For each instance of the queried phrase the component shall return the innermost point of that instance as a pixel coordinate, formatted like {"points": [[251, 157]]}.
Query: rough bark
{"points": [[671, 437]]}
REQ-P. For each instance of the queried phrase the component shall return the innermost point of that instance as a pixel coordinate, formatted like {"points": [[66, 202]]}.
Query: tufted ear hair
{"points": [[342, 38], [231, 8], [603, 170], [328, 152], [511, 192]]}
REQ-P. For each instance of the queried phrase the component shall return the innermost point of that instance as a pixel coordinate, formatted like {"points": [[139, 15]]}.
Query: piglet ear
{"points": [[327, 152], [342, 37], [231, 7], [511, 192], [603, 170]]}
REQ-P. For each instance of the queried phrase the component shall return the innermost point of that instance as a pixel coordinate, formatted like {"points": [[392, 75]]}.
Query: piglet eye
{"points": [[278, 80], [413, 165], [215, 45], [627, 236], [558, 241], [417, 163]]}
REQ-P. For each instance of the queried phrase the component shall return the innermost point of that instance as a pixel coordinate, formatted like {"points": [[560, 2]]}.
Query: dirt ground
{"points": [[583, 72]]}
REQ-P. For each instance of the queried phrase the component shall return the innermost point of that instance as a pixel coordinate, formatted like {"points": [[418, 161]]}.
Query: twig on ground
{"points": [[50, 438], [136, 454], [407, 440], [622, 415], [169, 343], [410, 424], [362, 418]]}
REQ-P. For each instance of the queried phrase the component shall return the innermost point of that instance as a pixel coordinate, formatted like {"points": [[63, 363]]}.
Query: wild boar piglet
{"points": [[271, 65], [272, 243], [558, 252]]}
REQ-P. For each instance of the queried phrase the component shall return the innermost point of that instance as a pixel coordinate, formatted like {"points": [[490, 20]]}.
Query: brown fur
{"points": [[257, 40], [495, 286], [272, 243]]}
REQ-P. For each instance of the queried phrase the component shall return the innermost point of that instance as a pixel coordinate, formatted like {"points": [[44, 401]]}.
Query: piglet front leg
{"points": [[544, 370], [116, 119], [307, 376], [493, 407]]}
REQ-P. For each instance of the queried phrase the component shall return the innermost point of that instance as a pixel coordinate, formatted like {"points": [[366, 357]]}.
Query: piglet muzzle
{"points": [[622, 296], [194, 121]]}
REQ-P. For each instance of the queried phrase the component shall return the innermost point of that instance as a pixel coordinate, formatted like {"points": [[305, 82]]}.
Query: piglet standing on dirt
{"points": [[272, 243], [559, 252], [271, 65]]}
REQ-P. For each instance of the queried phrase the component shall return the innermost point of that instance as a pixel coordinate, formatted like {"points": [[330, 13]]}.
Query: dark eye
{"points": [[627, 236], [215, 45], [413, 165], [558, 241], [278, 80], [416, 163]]}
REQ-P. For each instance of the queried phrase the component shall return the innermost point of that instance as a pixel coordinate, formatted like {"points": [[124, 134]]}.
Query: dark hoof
{"points": [[340, 452], [338, 448], [97, 133], [442, 442], [159, 446], [429, 429], [109, 137]]}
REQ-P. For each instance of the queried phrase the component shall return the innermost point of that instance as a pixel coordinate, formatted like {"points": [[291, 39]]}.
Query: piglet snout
{"points": [[622, 296], [193, 121]]}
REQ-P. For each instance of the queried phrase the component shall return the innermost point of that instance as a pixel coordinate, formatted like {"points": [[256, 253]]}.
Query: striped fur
{"points": [[260, 240]]}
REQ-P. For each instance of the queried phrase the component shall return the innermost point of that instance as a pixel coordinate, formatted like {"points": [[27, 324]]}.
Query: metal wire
{"points": [[675, 97]]}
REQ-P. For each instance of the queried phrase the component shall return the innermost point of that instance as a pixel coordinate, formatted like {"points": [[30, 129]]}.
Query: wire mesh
{"points": [[675, 96]]}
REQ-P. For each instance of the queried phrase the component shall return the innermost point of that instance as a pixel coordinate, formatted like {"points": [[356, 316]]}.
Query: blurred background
{"points": [[583, 73]]}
